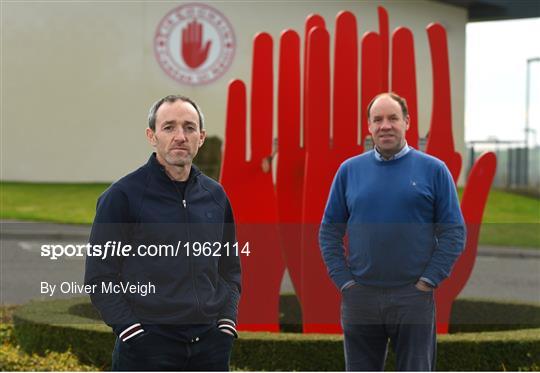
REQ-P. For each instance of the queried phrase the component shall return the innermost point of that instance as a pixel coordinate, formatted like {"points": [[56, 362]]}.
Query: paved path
{"points": [[499, 273]]}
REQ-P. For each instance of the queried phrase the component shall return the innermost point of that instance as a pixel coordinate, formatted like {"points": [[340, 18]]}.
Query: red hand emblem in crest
{"points": [[193, 52]]}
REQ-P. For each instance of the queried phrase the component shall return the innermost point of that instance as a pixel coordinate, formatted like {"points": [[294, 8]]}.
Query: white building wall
{"points": [[78, 77]]}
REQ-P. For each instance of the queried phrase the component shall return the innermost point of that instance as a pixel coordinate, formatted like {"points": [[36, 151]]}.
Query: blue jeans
{"points": [[372, 316], [154, 352]]}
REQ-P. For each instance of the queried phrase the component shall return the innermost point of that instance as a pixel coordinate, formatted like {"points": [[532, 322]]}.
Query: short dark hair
{"points": [[171, 99], [400, 100]]}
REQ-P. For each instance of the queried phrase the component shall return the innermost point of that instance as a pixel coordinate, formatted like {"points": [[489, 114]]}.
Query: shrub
{"points": [[71, 325], [13, 359]]}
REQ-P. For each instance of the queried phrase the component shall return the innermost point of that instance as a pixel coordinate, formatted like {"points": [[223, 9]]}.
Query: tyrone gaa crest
{"points": [[194, 44]]}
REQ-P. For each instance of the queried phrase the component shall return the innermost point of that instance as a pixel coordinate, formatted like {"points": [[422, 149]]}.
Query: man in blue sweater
{"points": [[177, 225], [399, 208]]}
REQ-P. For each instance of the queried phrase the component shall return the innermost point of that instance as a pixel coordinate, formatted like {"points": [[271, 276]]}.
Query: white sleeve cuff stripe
{"points": [[133, 335], [226, 326], [227, 320], [228, 332], [347, 284], [128, 329]]}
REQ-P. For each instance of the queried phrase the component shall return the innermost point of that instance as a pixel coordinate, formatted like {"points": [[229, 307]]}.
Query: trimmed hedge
{"points": [[209, 157], [13, 359], [492, 351], [73, 324], [50, 325]]}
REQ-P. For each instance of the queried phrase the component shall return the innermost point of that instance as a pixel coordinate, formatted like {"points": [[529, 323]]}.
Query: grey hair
{"points": [[171, 99]]}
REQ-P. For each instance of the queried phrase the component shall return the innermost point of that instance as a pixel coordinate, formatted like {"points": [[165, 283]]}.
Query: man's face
{"points": [[387, 125], [178, 136]]}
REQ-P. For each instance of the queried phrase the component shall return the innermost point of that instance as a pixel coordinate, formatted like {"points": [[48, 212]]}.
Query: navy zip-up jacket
{"points": [[146, 207]]}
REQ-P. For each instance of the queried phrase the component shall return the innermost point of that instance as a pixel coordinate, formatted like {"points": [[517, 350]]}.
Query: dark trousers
{"points": [[405, 316], [153, 352]]}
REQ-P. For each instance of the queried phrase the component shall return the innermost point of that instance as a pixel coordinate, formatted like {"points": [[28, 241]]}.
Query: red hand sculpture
{"points": [[291, 155], [441, 144], [251, 192], [324, 154], [290, 163], [304, 174], [193, 52]]}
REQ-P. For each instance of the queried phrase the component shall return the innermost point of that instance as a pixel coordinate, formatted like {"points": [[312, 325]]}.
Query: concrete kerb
{"points": [[21, 230]]}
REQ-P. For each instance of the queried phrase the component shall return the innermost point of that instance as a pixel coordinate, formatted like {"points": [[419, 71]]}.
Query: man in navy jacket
{"points": [[171, 303], [400, 210]]}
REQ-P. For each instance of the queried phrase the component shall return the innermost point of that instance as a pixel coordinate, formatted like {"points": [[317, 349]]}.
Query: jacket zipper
{"points": [[191, 265]]}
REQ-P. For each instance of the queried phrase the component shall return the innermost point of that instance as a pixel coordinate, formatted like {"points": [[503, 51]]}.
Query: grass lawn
{"points": [[509, 219], [61, 203]]}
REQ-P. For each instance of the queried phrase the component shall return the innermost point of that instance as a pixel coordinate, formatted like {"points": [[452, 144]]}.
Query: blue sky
{"points": [[495, 79]]}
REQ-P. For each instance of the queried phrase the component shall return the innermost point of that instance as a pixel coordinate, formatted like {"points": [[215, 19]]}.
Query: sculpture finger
{"points": [[384, 38], [404, 77], [345, 93], [371, 76], [234, 146], [317, 94], [261, 98], [440, 141]]}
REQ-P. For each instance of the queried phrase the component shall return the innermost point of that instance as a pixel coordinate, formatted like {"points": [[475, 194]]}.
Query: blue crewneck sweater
{"points": [[402, 219]]}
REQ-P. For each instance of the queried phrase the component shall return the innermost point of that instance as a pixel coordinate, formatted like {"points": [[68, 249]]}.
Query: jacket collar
{"points": [[159, 170]]}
